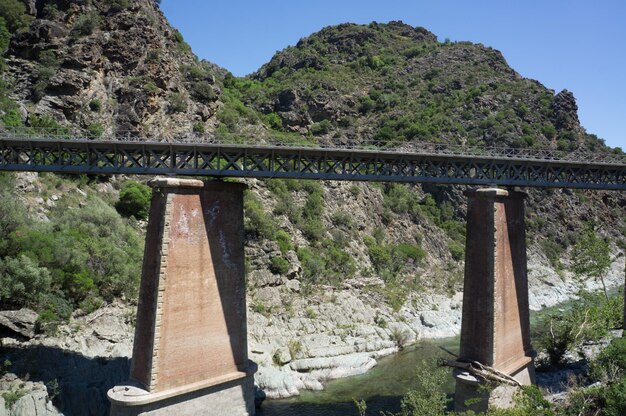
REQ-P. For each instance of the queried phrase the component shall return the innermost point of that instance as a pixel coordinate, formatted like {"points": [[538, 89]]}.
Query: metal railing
{"points": [[604, 156]]}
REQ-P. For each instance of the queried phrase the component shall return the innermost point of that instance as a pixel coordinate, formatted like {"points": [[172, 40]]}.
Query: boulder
{"points": [[19, 323]]}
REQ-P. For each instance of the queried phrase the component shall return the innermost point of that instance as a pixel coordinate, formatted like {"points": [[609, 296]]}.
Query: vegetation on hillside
{"points": [[84, 255]]}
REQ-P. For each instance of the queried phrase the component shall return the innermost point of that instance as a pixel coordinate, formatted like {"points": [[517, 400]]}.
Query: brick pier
{"points": [[495, 329], [190, 354]]}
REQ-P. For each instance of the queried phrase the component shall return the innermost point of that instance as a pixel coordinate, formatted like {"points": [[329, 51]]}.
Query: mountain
{"points": [[391, 83]]}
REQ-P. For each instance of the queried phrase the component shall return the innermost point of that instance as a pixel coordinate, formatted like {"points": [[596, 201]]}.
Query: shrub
{"points": [[284, 241], [153, 55], [177, 103], [553, 252], [203, 91], [396, 296], [22, 281], [134, 200], [274, 121], [96, 130], [613, 358], [428, 398], [588, 319], [279, 265], [366, 104], [342, 219], [86, 23], [117, 5], [12, 397], [12, 119], [313, 229], [198, 127], [95, 105], [182, 45], [310, 313], [399, 336], [457, 251], [257, 222], [5, 36], [295, 348], [323, 127], [14, 14]]}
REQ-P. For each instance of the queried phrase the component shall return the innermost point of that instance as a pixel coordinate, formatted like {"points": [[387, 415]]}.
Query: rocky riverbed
{"points": [[300, 338]]}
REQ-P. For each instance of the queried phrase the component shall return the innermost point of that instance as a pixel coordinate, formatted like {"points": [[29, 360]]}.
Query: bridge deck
{"points": [[443, 165]]}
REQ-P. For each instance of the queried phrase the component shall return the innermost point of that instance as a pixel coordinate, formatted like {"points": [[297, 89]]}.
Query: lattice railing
{"points": [[413, 147]]}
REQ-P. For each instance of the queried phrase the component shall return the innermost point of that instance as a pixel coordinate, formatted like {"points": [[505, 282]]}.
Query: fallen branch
{"points": [[484, 371]]}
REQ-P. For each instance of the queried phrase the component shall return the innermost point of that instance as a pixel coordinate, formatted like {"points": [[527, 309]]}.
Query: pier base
{"points": [[190, 354], [495, 329]]}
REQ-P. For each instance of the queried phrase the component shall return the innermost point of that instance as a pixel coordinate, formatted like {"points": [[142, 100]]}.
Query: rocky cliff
{"points": [[339, 273]]}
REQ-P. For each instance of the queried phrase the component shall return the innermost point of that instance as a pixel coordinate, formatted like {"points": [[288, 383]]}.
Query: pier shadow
{"points": [[77, 384]]}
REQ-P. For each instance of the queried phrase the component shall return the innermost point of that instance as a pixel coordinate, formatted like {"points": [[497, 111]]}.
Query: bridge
{"points": [[190, 350], [218, 156]]}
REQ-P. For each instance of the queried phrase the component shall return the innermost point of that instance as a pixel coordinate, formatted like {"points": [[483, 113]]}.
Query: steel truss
{"points": [[221, 160]]}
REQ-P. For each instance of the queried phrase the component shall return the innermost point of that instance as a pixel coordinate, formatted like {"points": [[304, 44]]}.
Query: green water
{"points": [[381, 388]]}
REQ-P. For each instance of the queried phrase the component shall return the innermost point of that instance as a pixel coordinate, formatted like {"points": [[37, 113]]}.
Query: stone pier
{"points": [[190, 354], [495, 329]]}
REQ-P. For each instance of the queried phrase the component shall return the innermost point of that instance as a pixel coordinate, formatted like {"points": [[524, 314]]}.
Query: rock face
{"points": [[19, 398], [78, 364], [122, 69]]}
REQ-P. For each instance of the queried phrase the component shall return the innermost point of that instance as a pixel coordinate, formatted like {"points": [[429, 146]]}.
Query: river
{"points": [[381, 388]]}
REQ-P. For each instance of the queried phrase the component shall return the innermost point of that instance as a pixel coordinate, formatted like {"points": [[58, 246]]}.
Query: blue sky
{"points": [[578, 45]]}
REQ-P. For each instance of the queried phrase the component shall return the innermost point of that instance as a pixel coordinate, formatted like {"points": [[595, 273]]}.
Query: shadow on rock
{"points": [[77, 384]]}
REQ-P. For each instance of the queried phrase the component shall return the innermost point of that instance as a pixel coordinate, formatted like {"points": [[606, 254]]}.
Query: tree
{"points": [[592, 257]]}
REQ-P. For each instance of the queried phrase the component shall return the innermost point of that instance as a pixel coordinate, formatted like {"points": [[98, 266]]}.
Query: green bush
{"points": [[182, 45], [96, 130], [591, 256], [390, 259], [428, 398], [274, 121], [323, 127], [279, 265], [198, 127], [12, 119], [588, 319], [22, 281], [5, 36], [14, 14], [86, 23], [457, 251], [553, 252], [12, 214], [284, 241], [49, 63], [177, 103], [613, 358], [257, 222], [134, 200], [117, 5], [95, 105], [203, 91]]}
